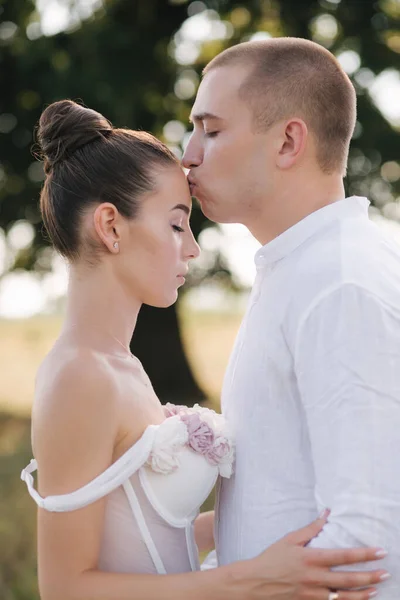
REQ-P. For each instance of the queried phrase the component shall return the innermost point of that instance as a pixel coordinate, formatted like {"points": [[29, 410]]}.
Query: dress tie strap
{"points": [[102, 485]]}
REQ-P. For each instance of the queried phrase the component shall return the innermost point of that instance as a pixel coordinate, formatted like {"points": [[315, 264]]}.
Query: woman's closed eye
{"points": [[211, 134], [178, 229]]}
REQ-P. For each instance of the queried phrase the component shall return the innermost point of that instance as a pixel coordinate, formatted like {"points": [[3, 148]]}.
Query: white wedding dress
{"points": [[154, 493]]}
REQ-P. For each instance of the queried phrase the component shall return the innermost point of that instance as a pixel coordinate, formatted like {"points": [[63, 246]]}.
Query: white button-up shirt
{"points": [[312, 392]]}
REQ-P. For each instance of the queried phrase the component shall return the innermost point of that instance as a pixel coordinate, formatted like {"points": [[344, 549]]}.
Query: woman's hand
{"points": [[204, 531], [288, 570]]}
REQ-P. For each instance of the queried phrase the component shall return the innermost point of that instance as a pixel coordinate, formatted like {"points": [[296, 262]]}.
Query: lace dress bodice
{"points": [[154, 492]]}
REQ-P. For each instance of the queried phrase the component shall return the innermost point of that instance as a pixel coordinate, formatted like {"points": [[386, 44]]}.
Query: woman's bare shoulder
{"points": [[68, 373], [74, 415]]}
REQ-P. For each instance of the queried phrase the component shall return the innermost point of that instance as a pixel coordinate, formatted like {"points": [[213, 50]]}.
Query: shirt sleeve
{"points": [[347, 364]]}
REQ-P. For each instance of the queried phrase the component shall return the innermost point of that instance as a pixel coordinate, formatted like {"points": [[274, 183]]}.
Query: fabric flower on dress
{"points": [[173, 409], [168, 441], [221, 453], [201, 429], [201, 436], [215, 420]]}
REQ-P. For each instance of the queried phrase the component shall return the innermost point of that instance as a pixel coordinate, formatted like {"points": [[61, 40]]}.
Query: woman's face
{"points": [[155, 253]]}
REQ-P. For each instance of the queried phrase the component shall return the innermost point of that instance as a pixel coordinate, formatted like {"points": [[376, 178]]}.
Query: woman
{"points": [[121, 477]]}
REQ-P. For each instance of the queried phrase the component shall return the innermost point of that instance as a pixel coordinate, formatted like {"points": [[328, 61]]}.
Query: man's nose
{"points": [[193, 155]]}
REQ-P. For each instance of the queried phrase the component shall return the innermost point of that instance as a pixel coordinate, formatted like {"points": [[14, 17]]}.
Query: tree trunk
{"points": [[158, 345]]}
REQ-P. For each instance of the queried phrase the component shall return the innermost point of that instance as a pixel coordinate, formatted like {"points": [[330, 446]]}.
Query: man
{"points": [[312, 390]]}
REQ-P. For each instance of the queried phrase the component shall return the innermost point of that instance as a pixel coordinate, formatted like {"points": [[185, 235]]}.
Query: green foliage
{"points": [[121, 62]]}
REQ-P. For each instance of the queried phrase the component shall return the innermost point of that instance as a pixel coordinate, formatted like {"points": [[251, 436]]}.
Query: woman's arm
{"points": [[286, 571], [204, 531]]}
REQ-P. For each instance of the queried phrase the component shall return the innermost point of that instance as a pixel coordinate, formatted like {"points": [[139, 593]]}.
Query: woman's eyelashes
{"points": [[177, 228], [211, 134]]}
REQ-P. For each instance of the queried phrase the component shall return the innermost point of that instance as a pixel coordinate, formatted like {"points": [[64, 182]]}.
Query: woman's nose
{"points": [[194, 250]]}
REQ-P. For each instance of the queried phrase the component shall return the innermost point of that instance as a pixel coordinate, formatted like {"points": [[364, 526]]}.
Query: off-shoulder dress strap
{"points": [[114, 476]]}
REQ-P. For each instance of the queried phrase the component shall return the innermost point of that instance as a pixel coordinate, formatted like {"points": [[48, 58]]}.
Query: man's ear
{"points": [[293, 143]]}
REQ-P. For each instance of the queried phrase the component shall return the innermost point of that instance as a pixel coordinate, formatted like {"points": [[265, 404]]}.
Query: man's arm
{"points": [[347, 363]]}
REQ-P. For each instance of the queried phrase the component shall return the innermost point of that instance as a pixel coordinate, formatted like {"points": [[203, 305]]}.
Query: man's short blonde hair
{"points": [[294, 77]]}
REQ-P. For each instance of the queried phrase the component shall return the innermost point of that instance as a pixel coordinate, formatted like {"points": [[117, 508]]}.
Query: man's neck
{"points": [[292, 205]]}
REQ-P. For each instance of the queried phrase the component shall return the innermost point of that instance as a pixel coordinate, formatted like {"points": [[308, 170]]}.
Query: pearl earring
{"points": [[115, 244]]}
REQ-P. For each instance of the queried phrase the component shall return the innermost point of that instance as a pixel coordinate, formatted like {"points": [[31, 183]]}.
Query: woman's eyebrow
{"points": [[184, 207]]}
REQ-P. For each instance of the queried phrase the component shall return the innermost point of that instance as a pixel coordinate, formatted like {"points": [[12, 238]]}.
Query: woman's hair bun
{"points": [[64, 127]]}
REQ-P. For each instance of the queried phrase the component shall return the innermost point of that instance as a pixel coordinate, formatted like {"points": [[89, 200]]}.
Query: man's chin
{"points": [[206, 206], [203, 203], [207, 211], [194, 192]]}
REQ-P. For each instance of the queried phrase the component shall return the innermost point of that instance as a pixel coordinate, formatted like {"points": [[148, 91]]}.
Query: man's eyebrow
{"points": [[199, 117], [183, 207]]}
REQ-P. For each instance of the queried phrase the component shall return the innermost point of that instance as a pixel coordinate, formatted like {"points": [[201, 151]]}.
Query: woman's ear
{"points": [[106, 224]]}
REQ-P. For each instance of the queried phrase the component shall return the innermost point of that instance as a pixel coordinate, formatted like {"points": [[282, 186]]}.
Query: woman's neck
{"points": [[99, 310]]}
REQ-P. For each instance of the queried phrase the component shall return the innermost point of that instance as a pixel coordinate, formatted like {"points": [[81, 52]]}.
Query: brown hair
{"points": [[87, 162], [291, 77]]}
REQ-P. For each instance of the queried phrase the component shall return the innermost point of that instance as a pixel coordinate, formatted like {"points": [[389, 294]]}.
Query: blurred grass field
{"points": [[208, 338]]}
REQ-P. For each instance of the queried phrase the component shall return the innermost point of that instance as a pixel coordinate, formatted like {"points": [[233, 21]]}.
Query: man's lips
{"points": [[192, 187]]}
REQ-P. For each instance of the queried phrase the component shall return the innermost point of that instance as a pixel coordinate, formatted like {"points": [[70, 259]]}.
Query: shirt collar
{"points": [[292, 238]]}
